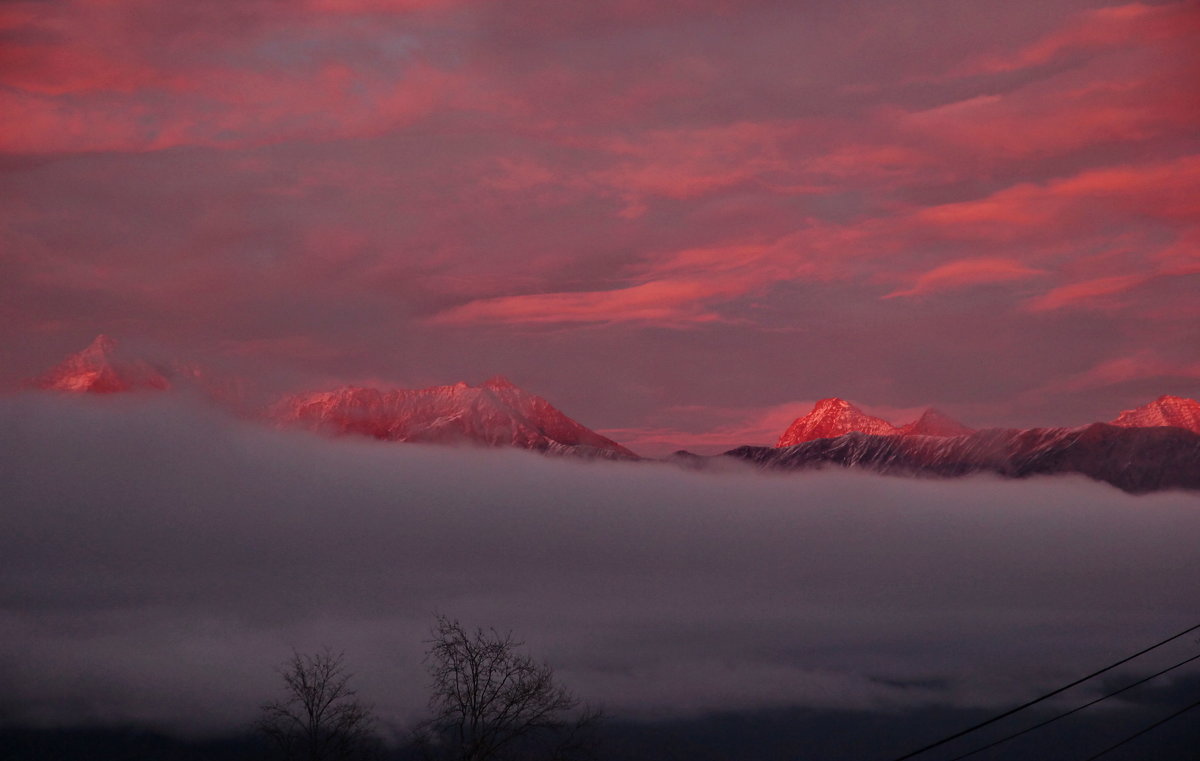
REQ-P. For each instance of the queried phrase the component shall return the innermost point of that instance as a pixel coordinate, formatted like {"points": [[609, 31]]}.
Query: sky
{"points": [[682, 222], [160, 562]]}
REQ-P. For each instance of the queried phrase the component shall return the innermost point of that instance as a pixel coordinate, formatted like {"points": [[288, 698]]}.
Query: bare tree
{"points": [[319, 719], [490, 701]]}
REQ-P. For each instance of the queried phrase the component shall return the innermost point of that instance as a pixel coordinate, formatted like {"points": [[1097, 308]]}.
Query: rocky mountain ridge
{"points": [[1155, 446], [495, 413], [1134, 459]]}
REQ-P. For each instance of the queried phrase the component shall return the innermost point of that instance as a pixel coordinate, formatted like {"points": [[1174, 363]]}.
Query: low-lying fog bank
{"points": [[160, 560]]}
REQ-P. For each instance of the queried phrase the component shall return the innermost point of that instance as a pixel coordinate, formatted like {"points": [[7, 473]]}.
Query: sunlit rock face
{"points": [[1153, 447], [831, 418], [496, 413], [1132, 459], [1173, 411], [100, 369], [835, 417]]}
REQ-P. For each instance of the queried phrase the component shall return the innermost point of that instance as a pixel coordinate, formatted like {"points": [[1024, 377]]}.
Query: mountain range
{"points": [[496, 413], [1152, 447], [835, 417]]}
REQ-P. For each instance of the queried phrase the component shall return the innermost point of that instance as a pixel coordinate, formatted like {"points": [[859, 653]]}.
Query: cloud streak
{"points": [[965, 273]]}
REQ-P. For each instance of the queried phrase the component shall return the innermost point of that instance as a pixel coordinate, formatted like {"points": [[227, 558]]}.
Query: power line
{"points": [[1136, 735], [1053, 719], [1047, 696]]}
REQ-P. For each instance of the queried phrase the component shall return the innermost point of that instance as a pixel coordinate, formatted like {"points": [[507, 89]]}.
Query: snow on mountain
{"points": [[101, 369], [831, 418], [1136, 460], [496, 413], [1153, 447], [935, 423], [835, 417], [1164, 411]]}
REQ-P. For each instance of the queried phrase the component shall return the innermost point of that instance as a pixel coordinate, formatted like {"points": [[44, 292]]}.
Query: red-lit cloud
{"points": [[676, 289], [1086, 292], [141, 76], [654, 302], [688, 204], [967, 272], [1142, 365], [1119, 26]]}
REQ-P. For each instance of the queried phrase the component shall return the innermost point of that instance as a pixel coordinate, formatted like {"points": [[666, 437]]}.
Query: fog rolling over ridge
{"points": [[160, 559]]}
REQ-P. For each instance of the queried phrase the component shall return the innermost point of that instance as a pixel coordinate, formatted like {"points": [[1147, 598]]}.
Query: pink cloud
{"points": [[1029, 230], [378, 6], [1112, 27], [1141, 365], [1167, 189], [1183, 256], [659, 302], [1127, 89], [874, 162], [675, 289], [85, 76], [1086, 293], [519, 174], [579, 164], [224, 112], [1089, 228], [1054, 117], [965, 273], [689, 163]]}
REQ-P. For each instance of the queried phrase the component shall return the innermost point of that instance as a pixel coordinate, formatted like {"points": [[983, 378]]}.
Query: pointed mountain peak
{"points": [[98, 369], [449, 414], [1176, 411], [831, 418], [934, 422], [1176, 401], [498, 381], [833, 403], [101, 346]]}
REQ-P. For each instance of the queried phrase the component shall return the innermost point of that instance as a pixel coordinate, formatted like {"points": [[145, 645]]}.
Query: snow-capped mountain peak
{"points": [[830, 418], [495, 413], [99, 369], [1176, 411]]}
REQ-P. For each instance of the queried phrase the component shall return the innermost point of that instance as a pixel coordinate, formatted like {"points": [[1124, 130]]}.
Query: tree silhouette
{"points": [[319, 719], [490, 701]]}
